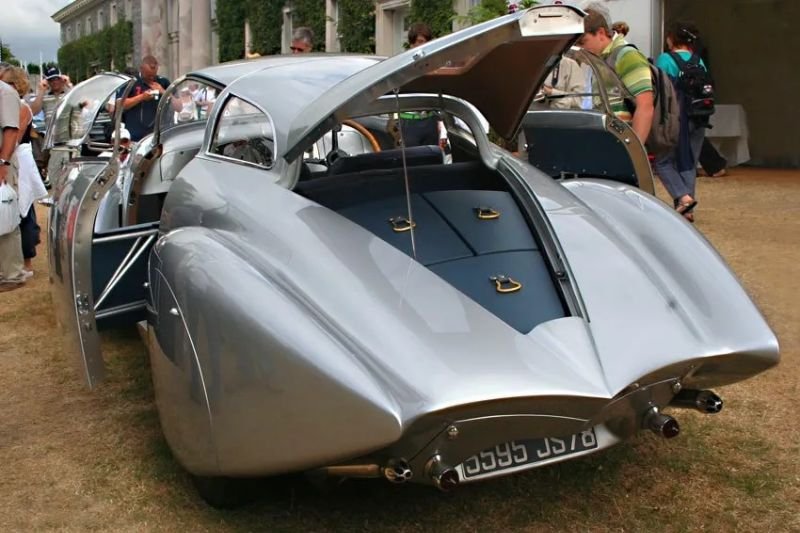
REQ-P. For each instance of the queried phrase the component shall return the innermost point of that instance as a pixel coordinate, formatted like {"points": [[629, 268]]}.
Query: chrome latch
{"points": [[505, 285], [487, 213], [401, 224]]}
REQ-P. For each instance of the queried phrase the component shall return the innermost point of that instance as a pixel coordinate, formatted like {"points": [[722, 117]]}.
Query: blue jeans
{"points": [[679, 183]]}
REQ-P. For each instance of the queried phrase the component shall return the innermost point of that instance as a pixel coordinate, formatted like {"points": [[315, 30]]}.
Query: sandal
{"points": [[686, 208]]}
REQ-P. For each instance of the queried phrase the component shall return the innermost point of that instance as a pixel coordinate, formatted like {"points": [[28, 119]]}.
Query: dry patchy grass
{"points": [[78, 460]]}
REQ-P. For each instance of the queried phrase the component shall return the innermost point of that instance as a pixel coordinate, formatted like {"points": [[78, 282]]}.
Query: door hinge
{"points": [[82, 303]]}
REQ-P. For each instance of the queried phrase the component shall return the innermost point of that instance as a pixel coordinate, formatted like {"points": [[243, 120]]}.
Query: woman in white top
{"points": [[31, 187]]}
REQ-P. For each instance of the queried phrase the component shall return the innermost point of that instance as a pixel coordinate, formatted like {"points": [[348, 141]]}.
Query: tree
{"points": [[491, 9], [311, 13], [437, 14], [356, 27], [6, 55]]}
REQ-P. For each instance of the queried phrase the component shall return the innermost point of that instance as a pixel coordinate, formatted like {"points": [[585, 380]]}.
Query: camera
{"points": [[154, 93]]}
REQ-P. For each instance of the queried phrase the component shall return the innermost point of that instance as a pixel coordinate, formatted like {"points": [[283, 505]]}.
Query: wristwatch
{"points": [[3, 162]]}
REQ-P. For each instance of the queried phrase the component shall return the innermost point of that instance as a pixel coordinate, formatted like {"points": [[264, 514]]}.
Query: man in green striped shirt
{"points": [[631, 66]]}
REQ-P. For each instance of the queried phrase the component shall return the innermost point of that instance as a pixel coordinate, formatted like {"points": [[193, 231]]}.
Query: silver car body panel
{"points": [[400, 344], [285, 337]]}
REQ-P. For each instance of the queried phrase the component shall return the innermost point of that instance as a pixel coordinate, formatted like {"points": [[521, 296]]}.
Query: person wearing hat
{"points": [[52, 89], [124, 146], [109, 210]]}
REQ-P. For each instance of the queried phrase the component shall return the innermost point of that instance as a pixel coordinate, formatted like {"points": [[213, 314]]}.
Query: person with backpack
{"points": [[630, 65], [678, 169]]}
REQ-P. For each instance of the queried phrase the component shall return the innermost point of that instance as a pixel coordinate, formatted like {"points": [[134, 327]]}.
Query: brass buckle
{"points": [[401, 224], [487, 213], [505, 285]]}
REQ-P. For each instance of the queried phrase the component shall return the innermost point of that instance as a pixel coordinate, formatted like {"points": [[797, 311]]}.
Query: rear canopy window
{"points": [[244, 133]]}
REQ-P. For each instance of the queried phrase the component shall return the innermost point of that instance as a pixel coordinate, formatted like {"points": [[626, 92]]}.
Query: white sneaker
{"points": [[26, 274]]}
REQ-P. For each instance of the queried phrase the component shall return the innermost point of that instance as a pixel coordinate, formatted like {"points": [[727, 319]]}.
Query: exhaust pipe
{"points": [[444, 477], [398, 471], [661, 424], [705, 401]]}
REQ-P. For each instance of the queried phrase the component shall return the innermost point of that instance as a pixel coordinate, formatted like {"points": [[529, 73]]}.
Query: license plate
{"points": [[517, 453]]}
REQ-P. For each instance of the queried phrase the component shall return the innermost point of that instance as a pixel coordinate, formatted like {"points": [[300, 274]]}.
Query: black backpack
{"points": [[696, 88], [665, 131]]}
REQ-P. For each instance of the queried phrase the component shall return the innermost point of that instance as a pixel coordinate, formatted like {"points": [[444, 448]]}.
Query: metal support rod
{"points": [[125, 236], [113, 280], [121, 309], [127, 267], [405, 175]]}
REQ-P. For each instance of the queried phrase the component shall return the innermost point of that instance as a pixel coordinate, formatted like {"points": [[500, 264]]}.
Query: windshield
{"points": [[76, 113], [190, 102]]}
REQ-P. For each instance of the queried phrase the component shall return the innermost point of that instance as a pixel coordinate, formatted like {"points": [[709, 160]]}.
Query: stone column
{"points": [[154, 30], [383, 30], [331, 30], [201, 33], [286, 30], [186, 41]]}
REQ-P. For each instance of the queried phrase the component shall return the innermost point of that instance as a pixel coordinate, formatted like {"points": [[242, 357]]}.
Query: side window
{"points": [[244, 133], [190, 101]]}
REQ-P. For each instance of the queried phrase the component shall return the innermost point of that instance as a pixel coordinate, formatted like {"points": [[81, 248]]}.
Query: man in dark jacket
{"points": [[141, 104]]}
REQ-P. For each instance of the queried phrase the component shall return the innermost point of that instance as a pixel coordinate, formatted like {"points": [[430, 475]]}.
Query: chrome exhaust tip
{"points": [[661, 424], [444, 477], [705, 401], [397, 471]]}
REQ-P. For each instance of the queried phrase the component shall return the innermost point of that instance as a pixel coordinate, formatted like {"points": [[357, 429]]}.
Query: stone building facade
{"points": [[181, 34]]}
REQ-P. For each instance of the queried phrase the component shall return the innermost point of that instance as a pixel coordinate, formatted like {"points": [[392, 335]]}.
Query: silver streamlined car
{"points": [[315, 299]]}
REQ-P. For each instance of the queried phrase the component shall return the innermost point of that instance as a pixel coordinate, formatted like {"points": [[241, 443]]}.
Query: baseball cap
{"points": [[51, 73], [124, 134]]}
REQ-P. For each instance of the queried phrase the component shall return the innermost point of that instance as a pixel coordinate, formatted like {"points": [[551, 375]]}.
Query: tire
{"points": [[226, 492]]}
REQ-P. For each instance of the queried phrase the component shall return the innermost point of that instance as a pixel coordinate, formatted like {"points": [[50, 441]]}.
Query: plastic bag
{"points": [[9, 209]]}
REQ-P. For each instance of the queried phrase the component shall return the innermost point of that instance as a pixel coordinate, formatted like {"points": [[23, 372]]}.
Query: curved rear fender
{"points": [[662, 284], [282, 393]]}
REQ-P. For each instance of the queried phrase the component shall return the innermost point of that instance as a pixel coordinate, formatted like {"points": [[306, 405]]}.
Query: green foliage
{"points": [[230, 28], [33, 69], [7, 55], [356, 27], [486, 10], [491, 9], [266, 20], [108, 49], [311, 13], [437, 14]]}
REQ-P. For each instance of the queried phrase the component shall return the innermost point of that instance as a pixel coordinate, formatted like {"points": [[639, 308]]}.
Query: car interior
{"points": [[468, 226]]}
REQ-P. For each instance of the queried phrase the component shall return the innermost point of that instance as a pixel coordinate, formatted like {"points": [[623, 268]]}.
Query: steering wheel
{"points": [[376, 146]]}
